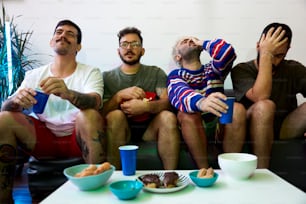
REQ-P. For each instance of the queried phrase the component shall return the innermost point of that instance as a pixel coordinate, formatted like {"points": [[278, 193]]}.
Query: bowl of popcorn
{"points": [[89, 176], [150, 96], [203, 177], [238, 165]]}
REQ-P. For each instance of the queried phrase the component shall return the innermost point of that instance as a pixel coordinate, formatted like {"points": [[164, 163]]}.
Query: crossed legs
{"points": [[18, 129]]}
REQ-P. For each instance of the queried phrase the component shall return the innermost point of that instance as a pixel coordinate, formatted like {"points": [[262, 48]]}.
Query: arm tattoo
{"points": [[83, 101]]}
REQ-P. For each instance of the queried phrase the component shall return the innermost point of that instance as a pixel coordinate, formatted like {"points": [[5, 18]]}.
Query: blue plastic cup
{"points": [[128, 155], [42, 99], [228, 116]]}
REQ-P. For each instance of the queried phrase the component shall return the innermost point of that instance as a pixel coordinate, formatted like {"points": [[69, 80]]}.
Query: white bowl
{"points": [[238, 165]]}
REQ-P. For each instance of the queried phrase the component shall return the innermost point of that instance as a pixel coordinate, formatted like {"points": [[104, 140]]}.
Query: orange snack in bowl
{"points": [[103, 167], [92, 169], [206, 173]]}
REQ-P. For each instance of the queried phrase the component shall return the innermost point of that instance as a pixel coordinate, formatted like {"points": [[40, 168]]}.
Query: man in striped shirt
{"points": [[196, 90]]}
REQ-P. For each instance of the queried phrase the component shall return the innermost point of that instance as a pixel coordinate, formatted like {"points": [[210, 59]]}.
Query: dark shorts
{"points": [[50, 146], [138, 129]]}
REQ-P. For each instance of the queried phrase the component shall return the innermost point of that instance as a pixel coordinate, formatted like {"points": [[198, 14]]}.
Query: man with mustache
{"points": [[267, 87], [136, 105], [69, 126], [196, 91]]}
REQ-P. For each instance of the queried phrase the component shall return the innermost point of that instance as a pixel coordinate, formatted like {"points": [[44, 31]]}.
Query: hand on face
{"points": [[272, 40], [196, 41], [191, 41]]}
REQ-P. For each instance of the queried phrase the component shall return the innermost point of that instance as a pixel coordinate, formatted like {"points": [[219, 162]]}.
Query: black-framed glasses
{"points": [[133, 44]]}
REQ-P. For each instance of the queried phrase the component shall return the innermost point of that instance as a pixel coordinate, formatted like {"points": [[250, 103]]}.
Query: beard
{"points": [[130, 62], [190, 54], [60, 50]]}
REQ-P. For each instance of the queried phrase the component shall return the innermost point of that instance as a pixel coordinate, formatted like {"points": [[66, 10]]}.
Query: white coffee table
{"points": [[263, 187]]}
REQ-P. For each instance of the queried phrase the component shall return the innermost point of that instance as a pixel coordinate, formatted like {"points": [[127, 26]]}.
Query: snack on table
{"points": [[206, 173], [92, 169], [151, 181], [103, 167], [170, 179]]}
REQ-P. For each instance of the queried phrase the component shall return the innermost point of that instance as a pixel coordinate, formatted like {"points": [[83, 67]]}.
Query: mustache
{"points": [[63, 38], [129, 52]]}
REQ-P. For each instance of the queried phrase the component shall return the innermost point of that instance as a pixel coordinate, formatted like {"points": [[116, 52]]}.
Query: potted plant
{"points": [[20, 62]]}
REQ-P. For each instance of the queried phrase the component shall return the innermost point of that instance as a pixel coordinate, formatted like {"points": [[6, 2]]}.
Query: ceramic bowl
{"points": [[202, 182], [126, 189], [87, 183], [238, 165]]}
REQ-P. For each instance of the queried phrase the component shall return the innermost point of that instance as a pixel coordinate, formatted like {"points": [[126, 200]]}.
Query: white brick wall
{"points": [[162, 23]]}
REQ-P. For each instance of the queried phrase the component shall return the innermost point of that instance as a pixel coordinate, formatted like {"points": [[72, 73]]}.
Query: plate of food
{"points": [[163, 182]]}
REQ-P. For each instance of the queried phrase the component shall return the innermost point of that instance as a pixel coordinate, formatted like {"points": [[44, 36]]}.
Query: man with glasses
{"points": [[267, 87], [70, 125], [136, 104]]}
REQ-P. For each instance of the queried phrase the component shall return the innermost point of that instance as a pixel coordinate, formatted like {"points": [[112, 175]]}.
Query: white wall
{"points": [[162, 22]]}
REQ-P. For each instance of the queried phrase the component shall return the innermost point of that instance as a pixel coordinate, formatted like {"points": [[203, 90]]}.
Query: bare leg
{"points": [[163, 128], [235, 132], [194, 136], [261, 119], [118, 134], [14, 127], [91, 136], [294, 124]]}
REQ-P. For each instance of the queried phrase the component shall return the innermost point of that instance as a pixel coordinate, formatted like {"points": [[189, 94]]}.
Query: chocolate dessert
{"points": [[151, 180], [170, 179]]}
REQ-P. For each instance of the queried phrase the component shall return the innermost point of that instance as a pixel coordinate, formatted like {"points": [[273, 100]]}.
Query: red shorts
{"points": [[50, 146]]}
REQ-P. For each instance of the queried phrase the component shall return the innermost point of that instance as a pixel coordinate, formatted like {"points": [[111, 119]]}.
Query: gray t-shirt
{"points": [[288, 80], [148, 78]]}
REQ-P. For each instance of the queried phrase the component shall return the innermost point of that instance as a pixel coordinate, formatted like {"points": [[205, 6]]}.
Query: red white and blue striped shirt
{"points": [[187, 87]]}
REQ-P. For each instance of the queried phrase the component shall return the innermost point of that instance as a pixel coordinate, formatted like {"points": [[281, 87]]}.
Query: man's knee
{"points": [[167, 117], [189, 117], [89, 115], [116, 115], [239, 111], [263, 110]]}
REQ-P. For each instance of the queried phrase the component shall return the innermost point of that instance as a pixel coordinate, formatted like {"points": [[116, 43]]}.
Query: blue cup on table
{"points": [[228, 116], [128, 155], [42, 99]]}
